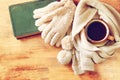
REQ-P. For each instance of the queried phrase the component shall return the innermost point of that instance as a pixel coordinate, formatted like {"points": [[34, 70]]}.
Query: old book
{"points": [[22, 17]]}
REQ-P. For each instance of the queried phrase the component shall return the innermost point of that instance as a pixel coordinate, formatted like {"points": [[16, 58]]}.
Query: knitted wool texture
{"points": [[76, 47], [54, 20], [89, 53]]}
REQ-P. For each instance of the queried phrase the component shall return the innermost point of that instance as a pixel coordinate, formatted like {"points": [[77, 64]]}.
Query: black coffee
{"points": [[96, 31]]}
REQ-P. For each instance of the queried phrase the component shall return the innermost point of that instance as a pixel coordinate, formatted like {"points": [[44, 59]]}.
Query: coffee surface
{"points": [[96, 31]]}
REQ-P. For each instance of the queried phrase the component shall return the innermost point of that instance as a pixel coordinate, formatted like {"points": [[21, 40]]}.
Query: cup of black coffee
{"points": [[97, 31]]}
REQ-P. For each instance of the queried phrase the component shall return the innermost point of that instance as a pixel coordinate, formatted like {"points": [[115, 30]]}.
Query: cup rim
{"points": [[105, 25]]}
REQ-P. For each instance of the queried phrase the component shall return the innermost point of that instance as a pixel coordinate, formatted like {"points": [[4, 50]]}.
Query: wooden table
{"points": [[31, 59]]}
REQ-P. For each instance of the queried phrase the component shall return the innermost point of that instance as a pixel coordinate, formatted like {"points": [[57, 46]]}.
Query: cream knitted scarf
{"points": [[86, 11]]}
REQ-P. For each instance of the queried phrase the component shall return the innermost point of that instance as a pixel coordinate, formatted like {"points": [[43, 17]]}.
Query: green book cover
{"points": [[22, 17]]}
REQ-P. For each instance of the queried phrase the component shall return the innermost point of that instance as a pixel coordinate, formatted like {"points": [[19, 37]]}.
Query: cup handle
{"points": [[111, 38]]}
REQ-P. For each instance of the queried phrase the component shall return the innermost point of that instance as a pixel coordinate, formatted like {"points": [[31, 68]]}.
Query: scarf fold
{"points": [[85, 11]]}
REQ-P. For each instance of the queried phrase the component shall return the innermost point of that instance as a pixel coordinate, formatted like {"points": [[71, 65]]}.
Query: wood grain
{"points": [[31, 59]]}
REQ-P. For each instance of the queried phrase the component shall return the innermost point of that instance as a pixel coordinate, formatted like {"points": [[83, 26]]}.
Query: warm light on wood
{"points": [[31, 59]]}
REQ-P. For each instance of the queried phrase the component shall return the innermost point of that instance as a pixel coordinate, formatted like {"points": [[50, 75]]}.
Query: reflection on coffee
{"points": [[96, 31]]}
